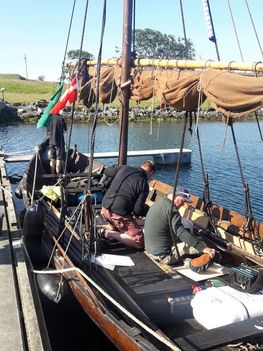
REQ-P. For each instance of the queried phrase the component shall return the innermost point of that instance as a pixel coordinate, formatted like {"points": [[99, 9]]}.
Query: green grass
{"points": [[18, 89]]}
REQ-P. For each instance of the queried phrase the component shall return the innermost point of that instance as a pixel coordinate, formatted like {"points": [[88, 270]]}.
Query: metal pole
{"points": [[3, 95], [26, 67], [125, 80]]}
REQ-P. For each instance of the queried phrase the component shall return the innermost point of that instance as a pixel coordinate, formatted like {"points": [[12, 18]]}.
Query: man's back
{"points": [[157, 238], [127, 192], [57, 127]]}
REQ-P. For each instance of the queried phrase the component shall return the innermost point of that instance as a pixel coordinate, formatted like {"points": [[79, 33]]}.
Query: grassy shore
{"points": [[18, 89]]}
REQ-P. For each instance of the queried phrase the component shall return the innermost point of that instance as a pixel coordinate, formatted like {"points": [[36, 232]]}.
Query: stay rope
{"points": [[133, 30], [89, 216], [254, 27], [78, 66], [173, 234], [184, 30], [62, 77], [95, 119], [235, 30], [248, 225], [206, 191]]}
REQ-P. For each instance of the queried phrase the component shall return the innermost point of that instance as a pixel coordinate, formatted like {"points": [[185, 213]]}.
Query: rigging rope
{"points": [[37, 156], [173, 235], [93, 134], [133, 30], [256, 34], [62, 77], [78, 66], [184, 30], [247, 203], [259, 128], [89, 218], [165, 340], [235, 30]]}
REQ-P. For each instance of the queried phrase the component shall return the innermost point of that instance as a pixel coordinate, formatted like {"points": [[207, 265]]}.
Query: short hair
{"points": [[149, 164]]}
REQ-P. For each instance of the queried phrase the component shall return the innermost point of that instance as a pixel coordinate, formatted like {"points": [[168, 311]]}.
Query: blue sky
{"points": [[38, 29]]}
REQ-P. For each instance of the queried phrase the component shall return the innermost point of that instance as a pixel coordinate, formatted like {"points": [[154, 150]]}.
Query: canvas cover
{"points": [[232, 94]]}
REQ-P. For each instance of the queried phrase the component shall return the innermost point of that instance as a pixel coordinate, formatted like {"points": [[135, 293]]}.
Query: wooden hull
{"points": [[153, 294]]}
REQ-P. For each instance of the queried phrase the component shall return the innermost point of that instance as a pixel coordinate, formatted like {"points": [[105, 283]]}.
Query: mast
{"points": [[125, 79]]}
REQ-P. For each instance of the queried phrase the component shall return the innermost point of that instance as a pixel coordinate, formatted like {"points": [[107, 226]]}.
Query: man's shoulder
{"points": [[128, 170]]}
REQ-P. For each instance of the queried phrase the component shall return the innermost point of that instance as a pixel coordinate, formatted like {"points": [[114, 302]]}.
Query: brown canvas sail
{"points": [[182, 91], [142, 86], [232, 94]]}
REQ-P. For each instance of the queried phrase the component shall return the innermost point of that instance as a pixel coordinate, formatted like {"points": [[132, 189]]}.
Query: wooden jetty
{"points": [[22, 323], [160, 156]]}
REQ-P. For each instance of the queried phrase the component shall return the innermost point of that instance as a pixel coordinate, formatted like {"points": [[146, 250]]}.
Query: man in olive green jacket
{"points": [[157, 236]]}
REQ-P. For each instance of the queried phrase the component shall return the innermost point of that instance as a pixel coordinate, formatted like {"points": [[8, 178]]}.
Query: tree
{"points": [[74, 54], [41, 78], [151, 43]]}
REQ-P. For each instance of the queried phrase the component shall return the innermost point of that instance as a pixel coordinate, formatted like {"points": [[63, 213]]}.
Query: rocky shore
{"points": [[30, 113]]}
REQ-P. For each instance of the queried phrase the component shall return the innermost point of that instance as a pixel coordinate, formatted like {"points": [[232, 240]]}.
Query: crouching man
{"points": [[158, 237]]}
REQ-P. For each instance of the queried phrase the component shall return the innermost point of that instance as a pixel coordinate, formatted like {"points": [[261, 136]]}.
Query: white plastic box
{"points": [[216, 307]]}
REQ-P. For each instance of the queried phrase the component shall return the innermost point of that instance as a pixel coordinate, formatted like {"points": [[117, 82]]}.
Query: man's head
{"points": [[181, 196], [149, 167]]}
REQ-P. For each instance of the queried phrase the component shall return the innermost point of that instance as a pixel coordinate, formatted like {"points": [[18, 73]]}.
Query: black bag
{"points": [[246, 279]]}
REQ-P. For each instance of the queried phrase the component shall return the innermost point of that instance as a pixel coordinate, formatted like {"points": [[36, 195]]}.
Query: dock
{"points": [[160, 156], [19, 321]]}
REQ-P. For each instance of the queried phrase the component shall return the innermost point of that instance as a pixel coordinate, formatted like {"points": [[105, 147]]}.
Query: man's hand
{"points": [[209, 251]]}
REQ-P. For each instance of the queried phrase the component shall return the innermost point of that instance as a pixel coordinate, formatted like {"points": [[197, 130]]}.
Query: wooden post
{"points": [[125, 80]]}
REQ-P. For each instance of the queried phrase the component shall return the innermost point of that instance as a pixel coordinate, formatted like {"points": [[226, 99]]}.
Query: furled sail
{"points": [[232, 94], [183, 91]]}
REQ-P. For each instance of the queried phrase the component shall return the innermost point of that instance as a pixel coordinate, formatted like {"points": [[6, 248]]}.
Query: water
{"points": [[219, 162]]}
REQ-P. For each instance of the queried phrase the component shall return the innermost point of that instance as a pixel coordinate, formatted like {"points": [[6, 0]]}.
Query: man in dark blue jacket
{"points": [[125, 200]]}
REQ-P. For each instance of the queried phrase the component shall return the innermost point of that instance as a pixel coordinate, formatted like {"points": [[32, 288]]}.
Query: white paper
{"points": [[214, 271], [110, 261]]}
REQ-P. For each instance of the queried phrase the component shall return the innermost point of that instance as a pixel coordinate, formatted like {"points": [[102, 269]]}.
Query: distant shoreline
{"points": [[29, 113]]}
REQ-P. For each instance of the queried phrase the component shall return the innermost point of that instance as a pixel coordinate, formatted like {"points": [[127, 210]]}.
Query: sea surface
{"points": [[69, 327], [218, 153]]}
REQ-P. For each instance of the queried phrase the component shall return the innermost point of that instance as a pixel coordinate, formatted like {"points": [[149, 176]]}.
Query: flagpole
{"points": [[125, 80]]}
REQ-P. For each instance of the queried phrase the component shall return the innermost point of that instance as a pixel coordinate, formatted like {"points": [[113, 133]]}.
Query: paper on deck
{"points": [[214, 271], [110, 261]]}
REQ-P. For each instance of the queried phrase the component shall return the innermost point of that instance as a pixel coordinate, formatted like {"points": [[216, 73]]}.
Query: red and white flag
{"points": [[68, 98]]}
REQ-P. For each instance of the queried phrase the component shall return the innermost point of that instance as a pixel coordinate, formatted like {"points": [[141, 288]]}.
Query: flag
{"points": [[209, 21], [68, 98], [44, 119]]}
